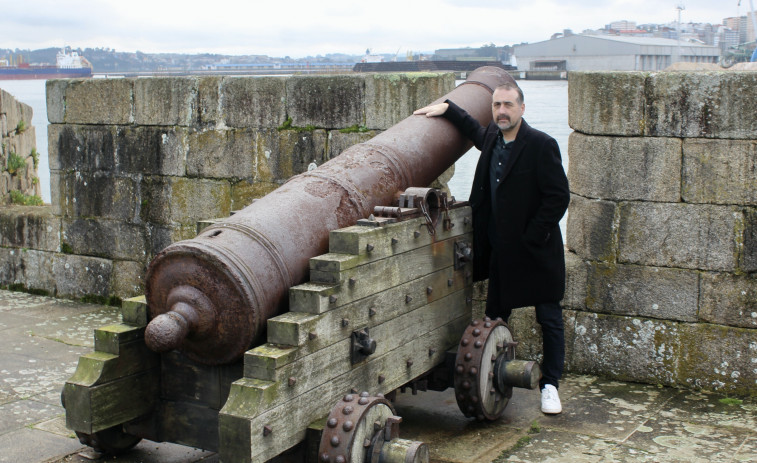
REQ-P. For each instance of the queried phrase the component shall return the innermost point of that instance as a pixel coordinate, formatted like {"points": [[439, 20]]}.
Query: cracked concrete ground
{"points": [[602, 420]]}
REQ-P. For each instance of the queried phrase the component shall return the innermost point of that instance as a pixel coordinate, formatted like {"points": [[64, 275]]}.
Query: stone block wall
{"points": [[662, 227], [136, 163], [18, 151]]}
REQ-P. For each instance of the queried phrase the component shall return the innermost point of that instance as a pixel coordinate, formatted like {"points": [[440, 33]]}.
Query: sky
{"points": [[300, 28]]}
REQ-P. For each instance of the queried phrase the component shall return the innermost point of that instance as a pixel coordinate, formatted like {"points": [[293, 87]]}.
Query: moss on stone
{"points": [[730, 401], [101, 300], [287, 125], [355, 129], [522, 442]]}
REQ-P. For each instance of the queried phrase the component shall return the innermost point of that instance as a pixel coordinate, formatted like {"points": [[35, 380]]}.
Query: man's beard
{"points": [[504, 123]]}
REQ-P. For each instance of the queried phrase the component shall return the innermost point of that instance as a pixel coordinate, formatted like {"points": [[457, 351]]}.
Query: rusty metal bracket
{"points": [[446, 221], [362, 345], [463, 254]]}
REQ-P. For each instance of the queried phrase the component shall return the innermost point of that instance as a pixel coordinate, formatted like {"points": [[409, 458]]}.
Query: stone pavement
{"points": [[602, 421]]}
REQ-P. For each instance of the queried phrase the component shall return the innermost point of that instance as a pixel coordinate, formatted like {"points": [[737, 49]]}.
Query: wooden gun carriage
{"points": [[233, 351]]}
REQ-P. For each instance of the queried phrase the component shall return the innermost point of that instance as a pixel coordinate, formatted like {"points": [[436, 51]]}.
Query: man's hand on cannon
{"points": [[432, 110]]}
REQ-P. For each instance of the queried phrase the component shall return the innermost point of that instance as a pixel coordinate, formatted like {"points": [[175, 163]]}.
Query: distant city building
{"points": [[738, 24], [726, 38], [485, 53], [611, 53], [623, 25]]}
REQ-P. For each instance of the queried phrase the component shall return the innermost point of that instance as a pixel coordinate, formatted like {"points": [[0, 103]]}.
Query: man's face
{"points": [[506, 110]]}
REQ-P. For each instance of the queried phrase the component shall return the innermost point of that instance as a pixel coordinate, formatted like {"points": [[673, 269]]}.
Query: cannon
{"points": [[360, 283]]}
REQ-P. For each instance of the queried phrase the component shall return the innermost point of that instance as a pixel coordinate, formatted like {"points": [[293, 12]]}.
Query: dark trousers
{"points": [[549, 316]]}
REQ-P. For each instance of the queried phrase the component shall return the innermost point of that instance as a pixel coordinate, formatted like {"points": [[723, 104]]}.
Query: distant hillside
{"points": [[108, 60]]}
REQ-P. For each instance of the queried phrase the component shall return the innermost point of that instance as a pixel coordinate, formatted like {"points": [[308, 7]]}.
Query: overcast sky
{"points": [[298, 28]]}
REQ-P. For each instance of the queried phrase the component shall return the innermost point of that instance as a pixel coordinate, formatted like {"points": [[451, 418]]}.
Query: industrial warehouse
{"points": [[617, 53]]}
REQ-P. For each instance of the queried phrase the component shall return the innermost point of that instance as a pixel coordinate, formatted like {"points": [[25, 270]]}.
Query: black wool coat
{"points": [[531, 199]]}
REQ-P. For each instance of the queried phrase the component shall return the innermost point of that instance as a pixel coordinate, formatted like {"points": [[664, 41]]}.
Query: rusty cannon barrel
{"points": [[210, 296]]}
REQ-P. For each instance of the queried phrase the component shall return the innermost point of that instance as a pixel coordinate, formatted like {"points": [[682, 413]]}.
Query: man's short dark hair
{"points": [[512, 86]]}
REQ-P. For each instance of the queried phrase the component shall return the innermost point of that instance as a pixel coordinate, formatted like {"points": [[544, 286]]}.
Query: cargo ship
{"points": [[67, 65]]}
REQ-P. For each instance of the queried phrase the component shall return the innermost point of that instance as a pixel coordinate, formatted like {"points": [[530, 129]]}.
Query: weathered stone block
{"points": [[266, 153], [664, 293], [244, 192], [663, 104], [701, 104], [728, 299], [31, 268], [128, 278], [79, 276], [592, 226], [55, 96], [718, 358], [163, 235], [331, 102], [680, 235], [99, 194], [576, 281], [221, 153], [6, 183], [607, 103], [629, 349], [480, 291], [100, 101], [32, 227], [21, 143], [167, 200], [208, 110], [253, 102], [85, 148], [296, 151], [441, 182], [748, 261], [15, 111], [104, 238], [620, 168], [527, 333], [339, 141], [390, 97], [165, 100], [152, 150], [719, 171]]}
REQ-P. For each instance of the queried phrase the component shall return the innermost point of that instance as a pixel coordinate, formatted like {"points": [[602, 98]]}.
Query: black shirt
{"points": [[500, 155]]}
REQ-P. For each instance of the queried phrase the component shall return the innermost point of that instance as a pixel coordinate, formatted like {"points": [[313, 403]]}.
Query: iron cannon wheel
{"points": [[350, 426], [483, 342], [364, 429]]}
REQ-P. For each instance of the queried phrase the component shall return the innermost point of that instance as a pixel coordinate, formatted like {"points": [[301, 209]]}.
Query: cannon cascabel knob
{"points": [[191, 314], [166, 332]]}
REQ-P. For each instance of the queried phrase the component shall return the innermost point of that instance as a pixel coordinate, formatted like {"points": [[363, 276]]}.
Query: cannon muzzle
{"points": [[210, 296]]}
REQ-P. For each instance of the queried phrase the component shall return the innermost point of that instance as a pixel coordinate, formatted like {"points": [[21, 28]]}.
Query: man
{"points": [[519, 194]]}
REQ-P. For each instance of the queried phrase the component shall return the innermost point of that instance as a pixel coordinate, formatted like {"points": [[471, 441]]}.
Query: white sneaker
{"points": [[550, 401]]}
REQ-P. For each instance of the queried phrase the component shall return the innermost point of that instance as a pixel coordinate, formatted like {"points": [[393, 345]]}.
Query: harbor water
{"points": [[546, 110]]}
